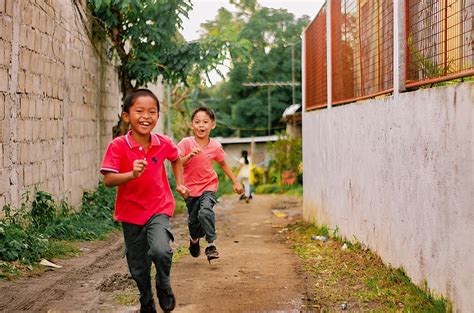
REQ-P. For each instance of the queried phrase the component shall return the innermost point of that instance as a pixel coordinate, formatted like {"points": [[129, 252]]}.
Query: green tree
{"points": [[144, 38], [273, 33]]}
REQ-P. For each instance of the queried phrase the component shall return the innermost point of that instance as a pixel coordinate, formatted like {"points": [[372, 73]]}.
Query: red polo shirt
{"points": [[147, 195], [199, 174]]}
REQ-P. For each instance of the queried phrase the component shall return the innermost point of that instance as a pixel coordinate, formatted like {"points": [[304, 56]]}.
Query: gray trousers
{"points": [[145, 244], [201, 217]]}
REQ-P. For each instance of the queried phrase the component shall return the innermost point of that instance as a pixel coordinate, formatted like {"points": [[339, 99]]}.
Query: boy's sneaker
{"points": [[194, 248], [166, 299], [148, 308], [211, 253]]}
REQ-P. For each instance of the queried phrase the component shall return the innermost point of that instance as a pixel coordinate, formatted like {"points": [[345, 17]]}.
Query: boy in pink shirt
{"points": [[135, 163], [198, 153]]}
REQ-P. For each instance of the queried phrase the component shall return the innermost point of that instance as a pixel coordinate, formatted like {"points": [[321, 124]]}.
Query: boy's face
{"points": [[202, 125], [142, 116]]}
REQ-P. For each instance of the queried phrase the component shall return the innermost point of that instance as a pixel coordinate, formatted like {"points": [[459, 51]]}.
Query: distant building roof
{"points": [[224, 141], [292, 109]]}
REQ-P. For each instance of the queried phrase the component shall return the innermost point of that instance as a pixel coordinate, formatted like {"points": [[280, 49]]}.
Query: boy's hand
{"points": [[139, 167], [238, 188], [195, 151], [183, 191]]}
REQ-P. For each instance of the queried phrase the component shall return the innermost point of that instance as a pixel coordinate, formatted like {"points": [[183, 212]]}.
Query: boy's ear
{"points": [[214, 124], [125, 117]]}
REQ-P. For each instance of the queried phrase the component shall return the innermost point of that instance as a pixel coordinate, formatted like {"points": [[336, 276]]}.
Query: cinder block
{"points": [[29, 82], [21, 82], [36, 130], [27, 15], [51, 109], [38, 41], [24, 107], [39, 109], [36, 173], [2, 6], [43, 129], [32, 108], [57, 109], [9, 7], [36, 84], [25, 57], [45, 43], [42, 167], [24, 152], [3, 202], [23, 37], [43, 19], [30, 39], [50, 25], [4, 80], [4, 181], [27, 175], [2, 109]]}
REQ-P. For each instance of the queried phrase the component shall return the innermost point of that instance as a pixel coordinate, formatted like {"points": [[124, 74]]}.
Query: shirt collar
{"points": [[155, 141]]}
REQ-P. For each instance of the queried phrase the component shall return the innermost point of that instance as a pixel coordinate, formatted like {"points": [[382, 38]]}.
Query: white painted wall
{"points": [[397, 174]]}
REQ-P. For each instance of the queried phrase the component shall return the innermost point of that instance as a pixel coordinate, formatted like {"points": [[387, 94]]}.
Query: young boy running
{"points": [[135, 163], [198, 153]]}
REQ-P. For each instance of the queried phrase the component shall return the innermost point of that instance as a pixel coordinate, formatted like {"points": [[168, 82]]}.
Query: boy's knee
{"points": [[160, 252], [205, 214]]}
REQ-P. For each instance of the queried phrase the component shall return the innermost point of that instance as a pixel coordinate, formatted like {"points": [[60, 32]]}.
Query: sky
{"points": [[204, 10]]}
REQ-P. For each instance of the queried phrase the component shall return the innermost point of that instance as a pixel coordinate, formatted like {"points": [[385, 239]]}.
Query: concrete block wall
{"points": [[58, 101], [398, 175]]}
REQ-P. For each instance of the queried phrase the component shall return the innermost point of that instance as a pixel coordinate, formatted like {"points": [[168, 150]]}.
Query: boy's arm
{"points": [[236, 185], [112, 179], [193, 152], [177, 167]]}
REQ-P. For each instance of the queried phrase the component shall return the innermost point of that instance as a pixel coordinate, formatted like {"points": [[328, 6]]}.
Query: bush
{"points": [[296, 190], [287, 157], [28, 236]]}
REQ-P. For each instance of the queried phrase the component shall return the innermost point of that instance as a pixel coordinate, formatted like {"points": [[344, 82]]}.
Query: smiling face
{"points": [[142, 116], [202, 124]]}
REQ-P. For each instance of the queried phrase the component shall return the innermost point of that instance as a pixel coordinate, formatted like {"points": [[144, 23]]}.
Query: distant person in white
{"points": [[244, 174]]}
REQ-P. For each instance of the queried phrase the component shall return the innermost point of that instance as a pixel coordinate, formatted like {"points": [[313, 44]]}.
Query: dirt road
{"points": [[256, 271]]}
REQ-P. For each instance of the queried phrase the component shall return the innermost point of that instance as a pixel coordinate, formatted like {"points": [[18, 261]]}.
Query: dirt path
{"points": [[256, 271]]}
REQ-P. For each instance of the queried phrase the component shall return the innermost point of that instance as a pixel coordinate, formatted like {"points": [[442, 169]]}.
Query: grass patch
{"points": [[127, 297], [41, 228], [179, 252], [293, 190], [356, 277]]}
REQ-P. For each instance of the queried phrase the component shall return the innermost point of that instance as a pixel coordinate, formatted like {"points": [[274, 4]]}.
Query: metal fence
{"points": [[439, 40], [316, 64], [362, 49]]}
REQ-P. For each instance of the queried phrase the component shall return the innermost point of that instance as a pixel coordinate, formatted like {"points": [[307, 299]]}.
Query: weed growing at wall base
{"points": [[355, 278], [45, 231]]}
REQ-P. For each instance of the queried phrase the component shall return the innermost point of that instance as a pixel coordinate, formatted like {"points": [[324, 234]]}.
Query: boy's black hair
{"points": [[203, 109], [131, 97]]}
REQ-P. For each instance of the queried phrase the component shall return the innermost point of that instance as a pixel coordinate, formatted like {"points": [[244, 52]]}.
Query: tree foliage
{"points": [[272, 33], [143, 37]]}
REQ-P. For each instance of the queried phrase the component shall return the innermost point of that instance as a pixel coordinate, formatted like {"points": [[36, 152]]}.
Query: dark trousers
{"points": [[201, 217], [145, 244]]}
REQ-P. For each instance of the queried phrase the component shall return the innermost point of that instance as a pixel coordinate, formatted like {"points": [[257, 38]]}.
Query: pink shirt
{"points": [[147, 195], [199, 175]]}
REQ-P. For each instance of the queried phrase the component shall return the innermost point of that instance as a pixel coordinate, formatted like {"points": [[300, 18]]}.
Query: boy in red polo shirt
{"points": [[135, 163], [198, 153]]}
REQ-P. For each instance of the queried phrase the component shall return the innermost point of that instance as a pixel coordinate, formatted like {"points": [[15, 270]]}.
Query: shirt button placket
{"points": [[143, 153]]}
